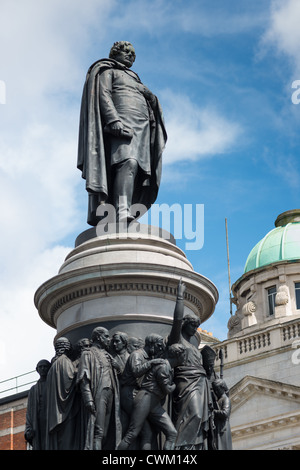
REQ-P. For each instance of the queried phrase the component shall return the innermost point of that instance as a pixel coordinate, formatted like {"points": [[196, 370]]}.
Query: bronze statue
{"points": [[192, 402], [110, 395], [121, 136], [36, 414], [63, 403], [120, 352], [99, 388], [148, 402], [222, 415], [139, 363]]}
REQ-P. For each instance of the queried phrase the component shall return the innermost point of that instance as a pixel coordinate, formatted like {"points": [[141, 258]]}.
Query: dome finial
{"points": [[287, 217]]}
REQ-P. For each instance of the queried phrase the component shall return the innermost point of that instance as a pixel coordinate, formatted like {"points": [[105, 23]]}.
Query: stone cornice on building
{"points": [[248, 386], [248, 389]]}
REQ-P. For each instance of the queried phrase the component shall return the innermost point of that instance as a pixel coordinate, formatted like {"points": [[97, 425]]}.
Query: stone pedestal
{"points": [[124, 282]]}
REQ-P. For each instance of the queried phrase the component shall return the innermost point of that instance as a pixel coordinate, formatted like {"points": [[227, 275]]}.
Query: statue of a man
{"points": [[99, 388], [121, 136], [62, 400], [222, 415], [156, 384], [36, 415]]}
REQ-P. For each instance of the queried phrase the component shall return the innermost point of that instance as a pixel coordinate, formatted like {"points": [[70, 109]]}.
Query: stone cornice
{"points": [[249, 386], [269, 425], [67, 289]]}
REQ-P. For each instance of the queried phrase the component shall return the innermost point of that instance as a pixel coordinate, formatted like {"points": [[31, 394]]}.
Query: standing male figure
{"points": [[121, 136], [36, 414], [62, 400], [100, 393]]}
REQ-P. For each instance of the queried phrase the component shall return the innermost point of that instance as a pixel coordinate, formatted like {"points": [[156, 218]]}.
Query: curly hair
{"points": [[118, 46]]}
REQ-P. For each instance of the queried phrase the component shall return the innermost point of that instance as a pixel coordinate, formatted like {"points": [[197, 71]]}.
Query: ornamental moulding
{"points": [[136, 288]]}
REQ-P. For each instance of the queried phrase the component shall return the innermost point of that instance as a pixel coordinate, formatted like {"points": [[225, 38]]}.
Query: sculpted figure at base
{"points": [[99, 388], [149, 400], [121, 136], [36, 415], [222, 415], [192, 402], [120, 350], [63, 402], [139, 363]]}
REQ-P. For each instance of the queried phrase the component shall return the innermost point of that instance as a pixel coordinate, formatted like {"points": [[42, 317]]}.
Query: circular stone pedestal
{"points": [[124, 282]]}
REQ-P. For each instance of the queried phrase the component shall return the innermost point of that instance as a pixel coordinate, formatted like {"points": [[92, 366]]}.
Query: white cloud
{"points": [[24, 338], [206, 19], [283, 32], [196, 133], [41, 46]]}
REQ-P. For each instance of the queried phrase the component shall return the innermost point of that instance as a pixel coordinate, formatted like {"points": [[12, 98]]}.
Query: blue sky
{"points": [[223, 71]]}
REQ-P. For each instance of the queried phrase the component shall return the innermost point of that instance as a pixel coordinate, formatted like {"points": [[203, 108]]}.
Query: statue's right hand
{"points": [[116, 128], [90, 406]]}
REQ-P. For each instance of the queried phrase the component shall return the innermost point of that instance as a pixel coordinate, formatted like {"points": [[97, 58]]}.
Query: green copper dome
{"points": [[280, 244]]}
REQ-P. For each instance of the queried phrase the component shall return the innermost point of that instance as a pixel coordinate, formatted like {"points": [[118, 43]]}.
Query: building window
{"points": [[297, 295], [271, 299]]}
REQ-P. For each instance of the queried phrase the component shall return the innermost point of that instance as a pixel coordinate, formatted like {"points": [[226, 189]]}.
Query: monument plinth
{"points": [[122, 281]]}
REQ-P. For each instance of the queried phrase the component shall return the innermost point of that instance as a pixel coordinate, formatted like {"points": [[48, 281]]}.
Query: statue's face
{"points": [[159, 347], [43, 369], [104, 339], [191, 327], [126, 55], [118, 343]]}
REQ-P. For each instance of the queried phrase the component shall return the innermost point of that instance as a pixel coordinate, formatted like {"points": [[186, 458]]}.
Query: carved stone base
{"points": [[124, 282]]}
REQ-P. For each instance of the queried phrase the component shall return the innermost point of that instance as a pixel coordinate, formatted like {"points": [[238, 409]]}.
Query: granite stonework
{"points": [[122, 281]]}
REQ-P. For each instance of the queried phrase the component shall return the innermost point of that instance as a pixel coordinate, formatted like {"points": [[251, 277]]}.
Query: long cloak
{"points": [[192, 401], [90, 368], [36, 415], [62, 405]]}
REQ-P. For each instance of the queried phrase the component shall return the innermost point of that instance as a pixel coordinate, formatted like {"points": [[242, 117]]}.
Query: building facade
{"points": [[261, 355], [12, 421]]}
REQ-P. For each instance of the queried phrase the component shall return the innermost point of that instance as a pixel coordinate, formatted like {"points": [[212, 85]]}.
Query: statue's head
{"points": [[62, 346], [119, 341], [154, 344], [82, 345], [43, 367], [123, 51], [101, 336], [190, 323], [220, 387], [134, 343]]}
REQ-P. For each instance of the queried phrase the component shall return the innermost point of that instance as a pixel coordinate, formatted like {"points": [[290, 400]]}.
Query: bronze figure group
{"points": [[120, 392]]}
